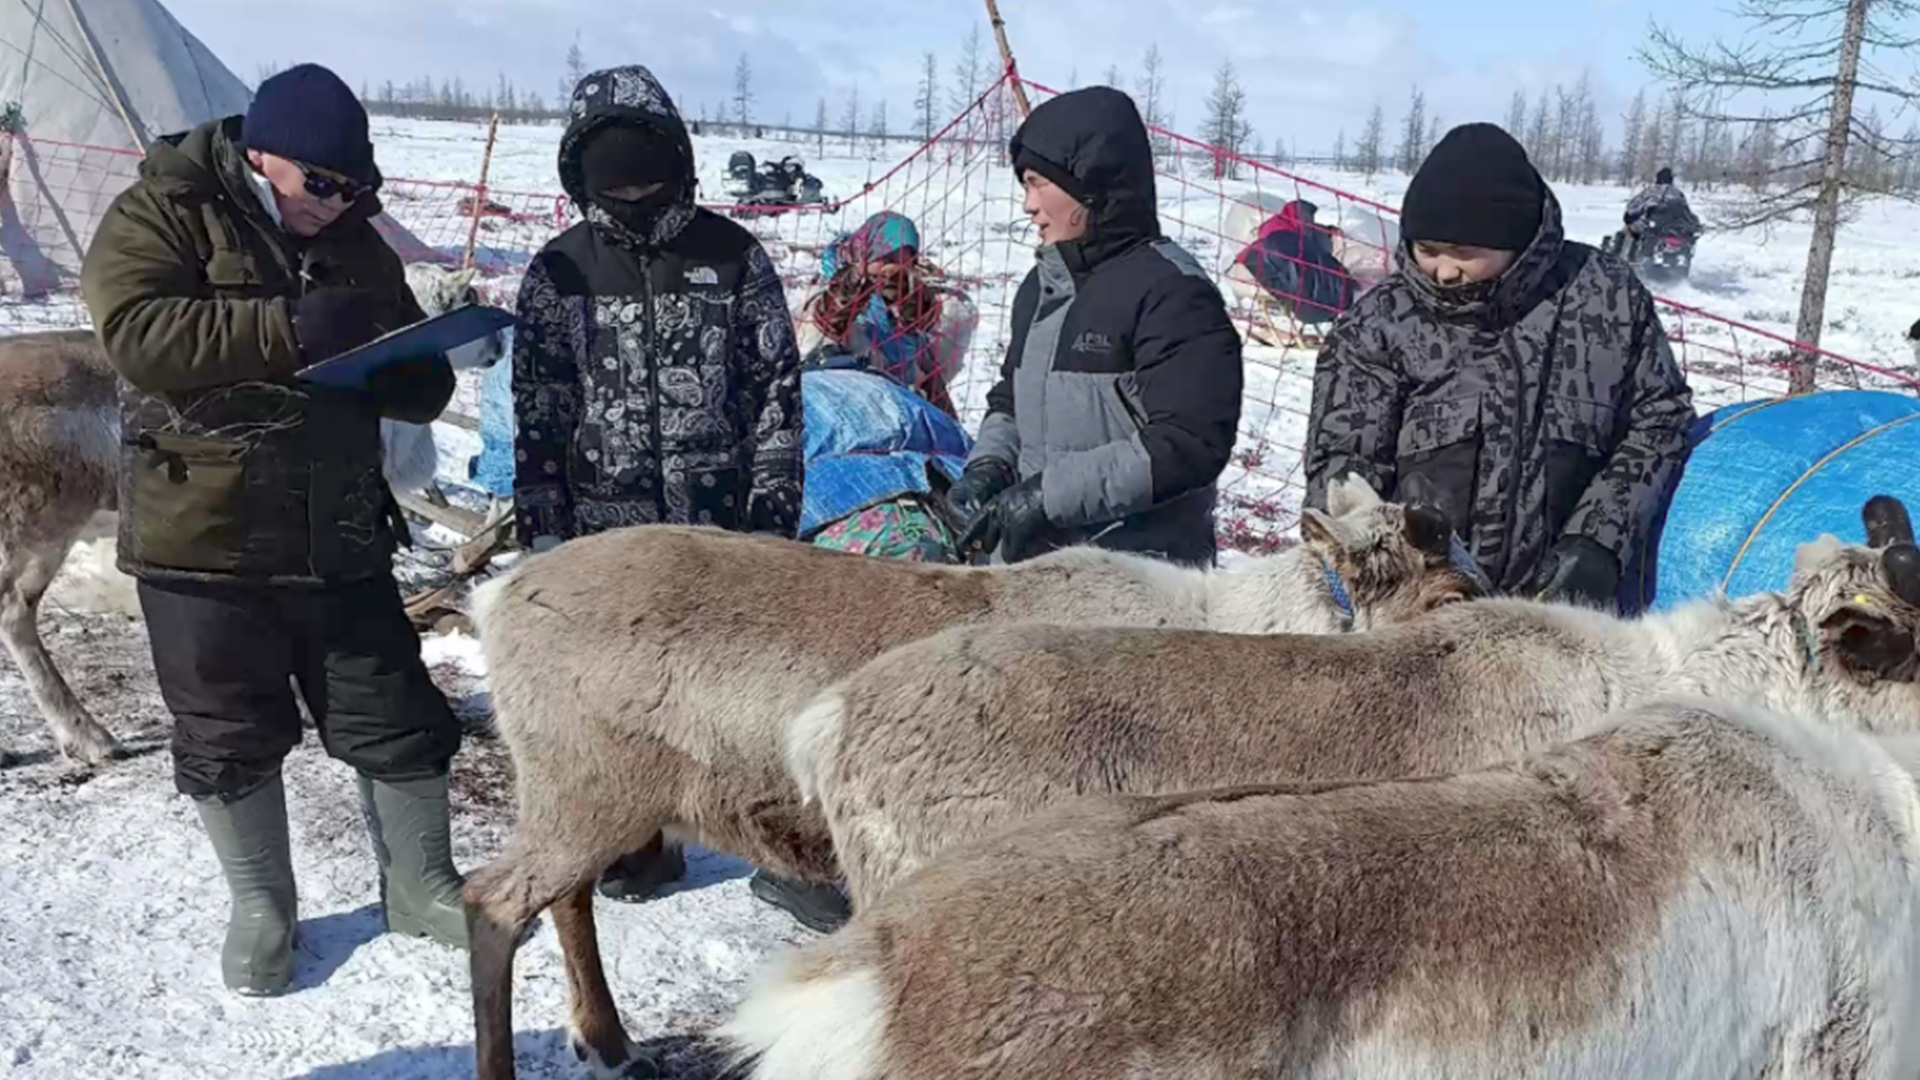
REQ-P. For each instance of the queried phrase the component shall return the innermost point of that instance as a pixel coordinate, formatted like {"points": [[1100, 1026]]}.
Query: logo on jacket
{"points": [[1091, 341], [703, 275]]}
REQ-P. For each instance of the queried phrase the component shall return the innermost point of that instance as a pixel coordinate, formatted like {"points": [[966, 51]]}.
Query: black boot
{"points": [[816, 906], [641, 874]]}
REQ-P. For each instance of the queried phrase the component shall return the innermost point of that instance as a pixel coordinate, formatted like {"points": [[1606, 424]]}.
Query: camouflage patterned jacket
{"points": [[1543, 404]]}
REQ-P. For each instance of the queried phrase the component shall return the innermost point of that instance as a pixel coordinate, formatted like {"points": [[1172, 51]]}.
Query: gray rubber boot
{"points": [[250, 836], [419, 888]]}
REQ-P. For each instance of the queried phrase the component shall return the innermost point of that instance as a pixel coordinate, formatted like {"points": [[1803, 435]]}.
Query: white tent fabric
{"points": [[110, 73], [95, 81]]}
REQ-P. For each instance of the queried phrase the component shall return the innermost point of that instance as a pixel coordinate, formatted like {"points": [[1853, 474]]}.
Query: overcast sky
{"points": [[1310, 70]]}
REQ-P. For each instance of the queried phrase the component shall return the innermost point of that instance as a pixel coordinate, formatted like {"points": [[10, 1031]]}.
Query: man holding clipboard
{"points": [[253, 508]]}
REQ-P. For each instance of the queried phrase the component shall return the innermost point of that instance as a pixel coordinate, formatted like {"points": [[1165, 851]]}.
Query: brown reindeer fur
{"points": [[942, 739], [643, 678], [59, 446], [1690, 891]]}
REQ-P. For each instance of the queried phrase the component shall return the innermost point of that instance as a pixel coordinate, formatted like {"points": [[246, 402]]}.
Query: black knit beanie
{"points": [[306, 114], [629, 155], [1476, 188]]}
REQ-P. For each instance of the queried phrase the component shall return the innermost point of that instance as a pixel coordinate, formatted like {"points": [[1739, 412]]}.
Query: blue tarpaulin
{"points": [[869, 438], [492, 471], [1768, 476]]}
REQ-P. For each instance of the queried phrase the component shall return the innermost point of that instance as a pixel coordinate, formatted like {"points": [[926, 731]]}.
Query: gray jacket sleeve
{"points": [[1358, 398], [1184, 395]]}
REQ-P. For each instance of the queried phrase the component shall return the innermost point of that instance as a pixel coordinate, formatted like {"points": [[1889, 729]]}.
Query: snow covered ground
{"points": [[112, 911], [111, 906]]}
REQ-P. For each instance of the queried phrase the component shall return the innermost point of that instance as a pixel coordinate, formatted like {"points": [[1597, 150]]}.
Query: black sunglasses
{"points": [[326, 187]]}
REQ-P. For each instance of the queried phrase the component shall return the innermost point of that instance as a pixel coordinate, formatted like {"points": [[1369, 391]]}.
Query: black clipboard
{"points": [[429, 337]]}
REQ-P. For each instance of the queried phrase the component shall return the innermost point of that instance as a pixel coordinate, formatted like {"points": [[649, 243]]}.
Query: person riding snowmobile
{"points": [[1658, 210]]}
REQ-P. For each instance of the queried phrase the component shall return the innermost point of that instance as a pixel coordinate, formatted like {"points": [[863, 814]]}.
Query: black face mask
{"points": [[637, 217]]}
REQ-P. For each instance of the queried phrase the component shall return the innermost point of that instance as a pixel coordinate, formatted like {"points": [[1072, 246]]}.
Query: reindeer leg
{"points": [[502, 899], [597, 1036], [24, 578]]}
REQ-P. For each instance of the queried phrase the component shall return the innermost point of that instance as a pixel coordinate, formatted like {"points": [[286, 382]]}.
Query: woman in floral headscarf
{"points": [[877, 309]]}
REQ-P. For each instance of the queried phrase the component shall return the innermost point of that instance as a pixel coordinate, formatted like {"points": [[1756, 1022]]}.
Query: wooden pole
{"points": [[1006, 58], [480, 193]]}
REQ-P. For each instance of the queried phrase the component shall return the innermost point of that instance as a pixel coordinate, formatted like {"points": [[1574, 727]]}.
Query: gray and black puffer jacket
{"points": [[1542, 404], [1122, 381], [655, 377]]}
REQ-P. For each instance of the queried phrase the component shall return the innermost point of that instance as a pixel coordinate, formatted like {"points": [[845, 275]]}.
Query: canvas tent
{"points": [[86, 85]]}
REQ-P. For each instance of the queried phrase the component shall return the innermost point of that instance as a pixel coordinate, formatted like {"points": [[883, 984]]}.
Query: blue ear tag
{"points": [[1341, 599]]}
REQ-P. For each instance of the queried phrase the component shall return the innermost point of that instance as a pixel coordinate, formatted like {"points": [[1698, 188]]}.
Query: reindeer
{"points": [[641, 679], [941, 740], [59, 469], [1692, 891]]}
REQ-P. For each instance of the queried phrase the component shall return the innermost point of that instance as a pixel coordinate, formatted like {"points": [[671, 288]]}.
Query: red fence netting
{"points": [[1288, 251]]}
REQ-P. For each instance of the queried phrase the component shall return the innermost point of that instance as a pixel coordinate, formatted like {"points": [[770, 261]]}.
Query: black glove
{"points": [[1015, 522], [1578, 570], [333, 320], [979, 482], [765, 515], [416, 391]]}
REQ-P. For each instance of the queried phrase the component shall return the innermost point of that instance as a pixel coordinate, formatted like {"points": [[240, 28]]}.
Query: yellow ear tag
{"points": [[1861, 599]]}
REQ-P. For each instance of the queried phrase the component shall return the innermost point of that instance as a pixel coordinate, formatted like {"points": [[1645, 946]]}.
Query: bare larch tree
{"points": [[1817, 58]]}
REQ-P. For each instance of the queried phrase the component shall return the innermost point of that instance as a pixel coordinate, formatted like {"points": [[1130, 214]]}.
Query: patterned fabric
{"points": [[1541, 404], [899, 528], [657, 379]]}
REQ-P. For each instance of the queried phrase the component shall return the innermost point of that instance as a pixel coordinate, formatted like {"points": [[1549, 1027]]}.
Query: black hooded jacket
{"points": [[655, 376], [1122, 381]]}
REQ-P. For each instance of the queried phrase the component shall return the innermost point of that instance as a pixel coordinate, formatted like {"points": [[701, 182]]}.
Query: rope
{"points": [[1795, 486], [1762, 407], [106, 79]]}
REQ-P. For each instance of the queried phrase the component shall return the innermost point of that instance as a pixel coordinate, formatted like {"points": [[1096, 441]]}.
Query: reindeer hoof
{"points": [[634, 1066], [91, 746]]}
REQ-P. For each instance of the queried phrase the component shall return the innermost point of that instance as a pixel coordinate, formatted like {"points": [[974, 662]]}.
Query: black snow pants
{"points": [[224, 654]]}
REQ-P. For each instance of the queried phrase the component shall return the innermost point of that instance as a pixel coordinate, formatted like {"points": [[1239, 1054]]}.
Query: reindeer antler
{"points": [[1887, 522]]}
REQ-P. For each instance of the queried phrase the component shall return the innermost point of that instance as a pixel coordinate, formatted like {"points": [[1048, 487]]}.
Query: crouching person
{"points": [[1516, 380], [655, 375], [253, 506]]}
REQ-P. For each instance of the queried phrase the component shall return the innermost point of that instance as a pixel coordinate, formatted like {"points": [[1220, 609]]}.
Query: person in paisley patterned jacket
{"points": [[1517, 380], [655, 375]]}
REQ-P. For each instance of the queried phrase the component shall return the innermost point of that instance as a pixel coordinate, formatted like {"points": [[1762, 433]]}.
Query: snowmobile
{"points": [[741, 178], [1662, 254], [780, 186]]}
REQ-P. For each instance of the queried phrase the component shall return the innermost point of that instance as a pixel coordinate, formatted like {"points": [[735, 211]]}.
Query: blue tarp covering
{"points": [[867, 438], [492, 471], [1768, 476]]}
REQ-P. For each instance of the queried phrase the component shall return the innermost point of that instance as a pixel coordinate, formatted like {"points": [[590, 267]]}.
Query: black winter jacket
{"points": [[1543, 404], [1122, 380], [655, 378]]}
